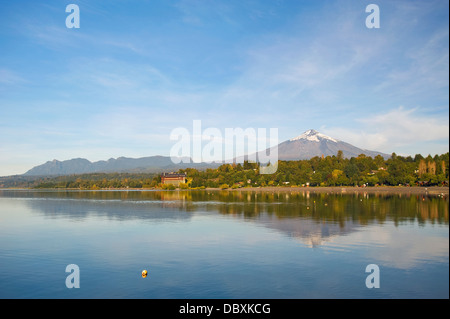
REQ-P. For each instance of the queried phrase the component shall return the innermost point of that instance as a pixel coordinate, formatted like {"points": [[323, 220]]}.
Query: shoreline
{"points": [[415, 190]]}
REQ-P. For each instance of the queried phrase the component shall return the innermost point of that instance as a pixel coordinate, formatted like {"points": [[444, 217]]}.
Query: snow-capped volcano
{"points": [[313, 136], [312, 143]]}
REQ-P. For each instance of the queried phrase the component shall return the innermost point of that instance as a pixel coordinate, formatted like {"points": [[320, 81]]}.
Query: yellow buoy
{"points": [[144, 273]]}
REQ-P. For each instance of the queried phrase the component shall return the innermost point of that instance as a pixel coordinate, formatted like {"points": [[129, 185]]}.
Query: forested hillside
{"points": [[326, 171]]}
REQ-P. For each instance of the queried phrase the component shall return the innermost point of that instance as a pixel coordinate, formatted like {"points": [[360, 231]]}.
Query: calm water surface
{"points": [[218, 244]]}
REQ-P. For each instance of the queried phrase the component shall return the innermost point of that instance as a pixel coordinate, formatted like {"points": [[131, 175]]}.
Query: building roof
{"points": [[173, 175]]}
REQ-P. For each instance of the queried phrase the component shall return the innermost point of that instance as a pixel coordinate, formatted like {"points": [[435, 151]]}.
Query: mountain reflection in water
{"points": [[222, 244], [314, 217]]}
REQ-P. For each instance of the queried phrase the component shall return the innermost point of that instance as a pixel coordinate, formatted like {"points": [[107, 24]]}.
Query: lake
{"points": [[222, 244]]}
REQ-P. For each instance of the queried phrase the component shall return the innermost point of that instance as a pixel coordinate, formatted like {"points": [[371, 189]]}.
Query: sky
{"points": [[136, 70]]}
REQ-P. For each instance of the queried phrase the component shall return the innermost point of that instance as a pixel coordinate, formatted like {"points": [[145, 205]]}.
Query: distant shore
{"points": [[415, 190], [434, 190]]}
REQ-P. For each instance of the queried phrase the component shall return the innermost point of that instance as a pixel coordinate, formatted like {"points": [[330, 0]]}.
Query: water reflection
{"points": [[310, 216], [227, 244], [361, 208]]}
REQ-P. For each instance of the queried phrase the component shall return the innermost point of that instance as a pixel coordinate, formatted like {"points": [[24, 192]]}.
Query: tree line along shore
{"points": [[318, 172]]}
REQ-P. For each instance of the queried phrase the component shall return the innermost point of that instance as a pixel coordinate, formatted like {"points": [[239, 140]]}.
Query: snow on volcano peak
{"points": [[313, 136]]}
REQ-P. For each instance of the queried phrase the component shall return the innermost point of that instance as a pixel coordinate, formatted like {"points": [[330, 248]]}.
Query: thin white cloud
{"points": [[387, 131], [200, 13], [427, 69], [10, 77], [399, 248]]}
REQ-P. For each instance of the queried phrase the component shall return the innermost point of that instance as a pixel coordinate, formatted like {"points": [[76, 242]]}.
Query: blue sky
{"points": [[136, 70]]}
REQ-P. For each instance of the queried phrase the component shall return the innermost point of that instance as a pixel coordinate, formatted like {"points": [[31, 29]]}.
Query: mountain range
{"points": [[305, 146], [150, 164]]}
